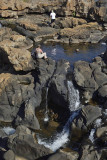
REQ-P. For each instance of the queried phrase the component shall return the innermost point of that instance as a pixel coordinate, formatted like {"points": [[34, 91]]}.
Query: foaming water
{"points": [[98, 122], [0, 25], [9, 130], [46, 118], [91, 136], [74, 100], [59, 139]]}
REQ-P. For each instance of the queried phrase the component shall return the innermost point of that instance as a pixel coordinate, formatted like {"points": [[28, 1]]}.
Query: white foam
{"points": [[9, 130], [91, 136], [103, 43], [0, 25], [58, 140], [98, 122], [53, 52], [105, 112], [46, 118], [73, 97], [61, 138]]}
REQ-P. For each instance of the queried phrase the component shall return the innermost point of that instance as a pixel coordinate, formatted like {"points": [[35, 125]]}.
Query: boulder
{"points": [[101, 138], [28, 119], [9, 155], [70, 22], [20, 59], [23, 142], [89, 153], [58, 90], [84, 121], [91, 78], [14, 91], [102, 93], [65, 155], [43, 73]]}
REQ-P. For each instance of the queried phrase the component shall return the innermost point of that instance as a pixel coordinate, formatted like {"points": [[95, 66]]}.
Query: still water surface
{"points": [[68, 52]]}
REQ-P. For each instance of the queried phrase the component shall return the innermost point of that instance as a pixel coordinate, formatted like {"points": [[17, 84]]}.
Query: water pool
{"points": [[68, 52]]}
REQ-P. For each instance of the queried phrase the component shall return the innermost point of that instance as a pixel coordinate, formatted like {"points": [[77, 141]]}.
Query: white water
{"points": [[0, 25], [74, 100], [105, 113], [91, 136], [9, 130], [98, 122], [55, 142], [60, 139], [46, 118]]}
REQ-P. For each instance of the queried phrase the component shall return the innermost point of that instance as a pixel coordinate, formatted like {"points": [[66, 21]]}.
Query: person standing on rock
{"points": [[53, 16], [40, 53]]}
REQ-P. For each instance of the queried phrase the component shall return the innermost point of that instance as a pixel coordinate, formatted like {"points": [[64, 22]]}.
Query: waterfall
{"points": [[0, 25], [73, 97], [46, 118], [91, 136], [58, 140]]}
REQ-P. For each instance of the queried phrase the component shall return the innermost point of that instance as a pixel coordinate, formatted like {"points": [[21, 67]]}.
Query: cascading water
{"points": [[73, 97], [46, 118], [0, 25], [58, 140]]}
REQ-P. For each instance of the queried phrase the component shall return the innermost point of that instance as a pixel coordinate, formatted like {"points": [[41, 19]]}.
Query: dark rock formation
{"points": [[58, 86], [91, 78], [23, 142], [84, 121]]}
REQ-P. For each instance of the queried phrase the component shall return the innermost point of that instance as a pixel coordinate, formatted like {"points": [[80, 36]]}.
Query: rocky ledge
{"points": [[24, 81]]}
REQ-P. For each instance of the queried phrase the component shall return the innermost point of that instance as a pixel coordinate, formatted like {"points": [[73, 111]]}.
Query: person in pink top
{"points": [[40, 53]]}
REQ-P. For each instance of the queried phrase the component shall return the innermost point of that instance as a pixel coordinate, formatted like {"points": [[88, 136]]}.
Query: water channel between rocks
{"points": [[54, 140], [48, 136]]}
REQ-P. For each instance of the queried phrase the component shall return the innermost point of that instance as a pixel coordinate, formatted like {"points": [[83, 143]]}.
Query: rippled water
{"points": [[68, 52]]}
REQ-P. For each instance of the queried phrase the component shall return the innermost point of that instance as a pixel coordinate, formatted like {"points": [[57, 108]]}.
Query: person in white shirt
{"points": [[53, 16]]}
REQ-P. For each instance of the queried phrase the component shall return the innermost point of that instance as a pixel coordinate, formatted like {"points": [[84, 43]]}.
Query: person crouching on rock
{"points": [[40, 53]]}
